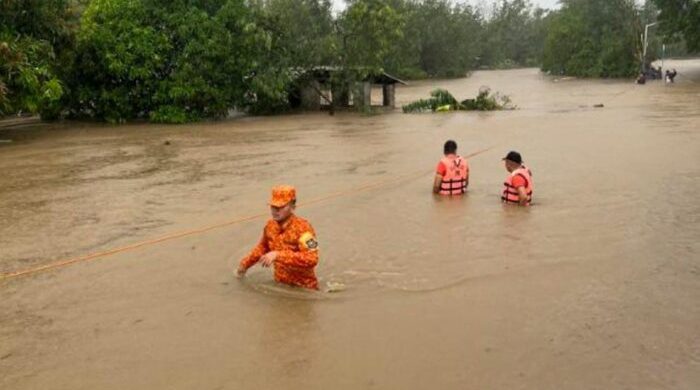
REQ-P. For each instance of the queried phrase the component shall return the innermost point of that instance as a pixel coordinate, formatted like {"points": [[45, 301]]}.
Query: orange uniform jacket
{"points": [[297, 251]]}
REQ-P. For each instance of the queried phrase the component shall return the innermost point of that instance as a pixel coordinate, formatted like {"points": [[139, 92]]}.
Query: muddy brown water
{"points": [[594, 287]]}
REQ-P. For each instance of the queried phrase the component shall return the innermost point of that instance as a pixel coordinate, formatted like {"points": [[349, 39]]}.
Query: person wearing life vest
{"points": [[452, 174], [288, 243], [517, 189]]}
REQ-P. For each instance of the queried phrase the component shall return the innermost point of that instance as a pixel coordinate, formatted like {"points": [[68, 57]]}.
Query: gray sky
{"points": [[340, 4]]}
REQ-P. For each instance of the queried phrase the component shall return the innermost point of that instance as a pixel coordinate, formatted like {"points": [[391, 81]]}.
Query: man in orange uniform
{"points": [[288, 243], [518, 186], [452, 173]]}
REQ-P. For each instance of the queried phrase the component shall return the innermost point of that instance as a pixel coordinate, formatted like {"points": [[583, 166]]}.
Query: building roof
{"points": [[323, 74]]}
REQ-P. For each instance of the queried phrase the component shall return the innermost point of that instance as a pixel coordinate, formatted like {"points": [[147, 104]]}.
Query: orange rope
{"points": [[173, 236]]}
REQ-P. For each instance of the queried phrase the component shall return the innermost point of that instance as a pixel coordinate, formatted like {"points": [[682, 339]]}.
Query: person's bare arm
{"points": [[437, 184], [522, 196]]}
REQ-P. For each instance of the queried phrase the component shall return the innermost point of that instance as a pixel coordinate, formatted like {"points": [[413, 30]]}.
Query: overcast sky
{"points": [[340, 4]]}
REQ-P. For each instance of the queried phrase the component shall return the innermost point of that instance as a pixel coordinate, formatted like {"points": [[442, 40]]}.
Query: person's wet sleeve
{"points": [[519, 181], [254, 255], [441, 169], [306, 256]]}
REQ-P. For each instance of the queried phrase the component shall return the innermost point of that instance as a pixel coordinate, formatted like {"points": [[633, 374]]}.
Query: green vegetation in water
{"points": [[442, 101]]}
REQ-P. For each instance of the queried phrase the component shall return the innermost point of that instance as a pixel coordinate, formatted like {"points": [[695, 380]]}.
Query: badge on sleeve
{"points": [[307, 241]]}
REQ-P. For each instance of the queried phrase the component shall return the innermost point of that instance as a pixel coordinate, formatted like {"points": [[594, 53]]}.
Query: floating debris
{"points": [[332, 287], [443, 101]]}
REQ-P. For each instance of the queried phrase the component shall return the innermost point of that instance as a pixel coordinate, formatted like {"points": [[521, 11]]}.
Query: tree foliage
{"points": [[680, 19], [35, 35], [304, 30], [514, 35], [594, 38], [367, 29], [442, 100], [170, 61], [446, 38], [183, 60]]}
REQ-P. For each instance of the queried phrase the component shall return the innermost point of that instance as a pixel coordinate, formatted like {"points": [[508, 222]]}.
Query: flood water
{"points": [[596, 286]]}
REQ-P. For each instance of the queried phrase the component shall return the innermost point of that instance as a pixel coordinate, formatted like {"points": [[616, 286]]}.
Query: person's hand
{"points": [[240, 272], [268, 259]]}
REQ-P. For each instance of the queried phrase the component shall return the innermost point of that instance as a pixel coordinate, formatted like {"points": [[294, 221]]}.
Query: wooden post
{"points": [[310, 99], [341, 95], [362, 98], [389, 98]]}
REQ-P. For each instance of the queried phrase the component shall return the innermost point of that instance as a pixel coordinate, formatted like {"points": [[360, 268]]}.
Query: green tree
{"points": [[34, 37], [594, 38], [170, 61], [447, 37], [302, 37], [366, 33], [431, 38], [365, 36], [513, 35], [303, 31], [680, 19]]}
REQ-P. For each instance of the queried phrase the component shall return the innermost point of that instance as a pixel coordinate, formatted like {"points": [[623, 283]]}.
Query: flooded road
{"points": [[596, 286]]}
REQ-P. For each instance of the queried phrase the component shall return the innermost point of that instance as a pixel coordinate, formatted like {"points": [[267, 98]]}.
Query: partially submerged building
{"points": [[328, 86]]}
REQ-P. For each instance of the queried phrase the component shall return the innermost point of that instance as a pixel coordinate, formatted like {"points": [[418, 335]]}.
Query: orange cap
{"points": [[281, 195]]}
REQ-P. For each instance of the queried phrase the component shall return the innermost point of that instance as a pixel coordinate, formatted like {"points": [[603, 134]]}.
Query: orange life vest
{"points": [[454, 182], [510, 193]]}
